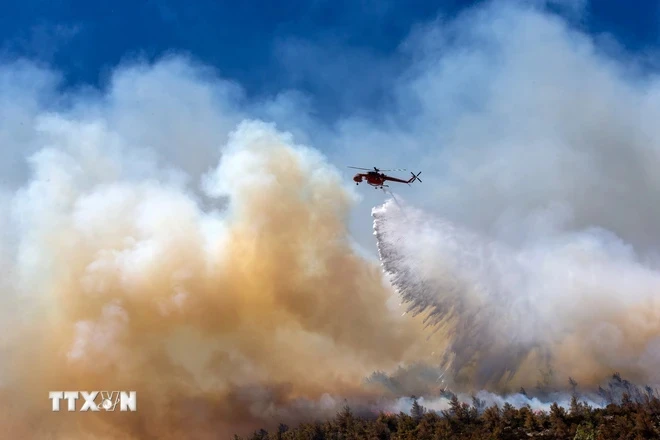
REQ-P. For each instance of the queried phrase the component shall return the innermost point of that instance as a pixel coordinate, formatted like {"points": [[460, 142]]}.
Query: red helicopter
{"points": [[377, 179]]}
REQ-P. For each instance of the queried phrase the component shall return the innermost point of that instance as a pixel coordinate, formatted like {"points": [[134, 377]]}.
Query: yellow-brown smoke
{"points": [[221, 310]]}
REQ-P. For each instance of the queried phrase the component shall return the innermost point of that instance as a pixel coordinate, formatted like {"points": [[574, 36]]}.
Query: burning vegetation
{"points": [[628, 413]]}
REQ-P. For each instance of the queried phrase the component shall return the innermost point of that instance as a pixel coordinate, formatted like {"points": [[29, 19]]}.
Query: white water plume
{"points": [[579, 303]]}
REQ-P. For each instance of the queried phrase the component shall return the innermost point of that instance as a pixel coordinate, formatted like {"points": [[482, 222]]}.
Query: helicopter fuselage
{"points": [[372, 178]]}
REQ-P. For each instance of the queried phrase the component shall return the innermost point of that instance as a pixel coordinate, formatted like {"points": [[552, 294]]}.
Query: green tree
{"points": [[346, 423], [417, 411], [585, 432], [558, 421]]}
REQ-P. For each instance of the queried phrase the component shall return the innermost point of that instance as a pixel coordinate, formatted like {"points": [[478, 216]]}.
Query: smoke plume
{"points": [[228, 299]]}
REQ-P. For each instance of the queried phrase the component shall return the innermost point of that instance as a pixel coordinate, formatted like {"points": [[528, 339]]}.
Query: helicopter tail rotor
{"points": [[415, 177]]}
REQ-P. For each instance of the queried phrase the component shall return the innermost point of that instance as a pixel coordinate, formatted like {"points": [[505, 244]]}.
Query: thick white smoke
{"points": [[534, 244]]}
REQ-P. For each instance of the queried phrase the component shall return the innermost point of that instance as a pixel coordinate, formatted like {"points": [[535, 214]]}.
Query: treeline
{"points": [[635, 418]]}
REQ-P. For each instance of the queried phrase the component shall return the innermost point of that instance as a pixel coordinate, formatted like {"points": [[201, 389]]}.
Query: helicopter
{"points": [[377, 179]]}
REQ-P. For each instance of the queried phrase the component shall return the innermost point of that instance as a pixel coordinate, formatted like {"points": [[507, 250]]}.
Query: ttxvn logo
{"points": [[95, 400]]}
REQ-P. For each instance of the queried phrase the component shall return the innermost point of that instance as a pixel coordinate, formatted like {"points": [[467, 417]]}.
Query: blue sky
{"points": [[251, 42]]}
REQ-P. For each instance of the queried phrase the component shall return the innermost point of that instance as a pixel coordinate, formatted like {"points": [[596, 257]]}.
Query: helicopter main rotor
{"points": [[378, 170]]}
